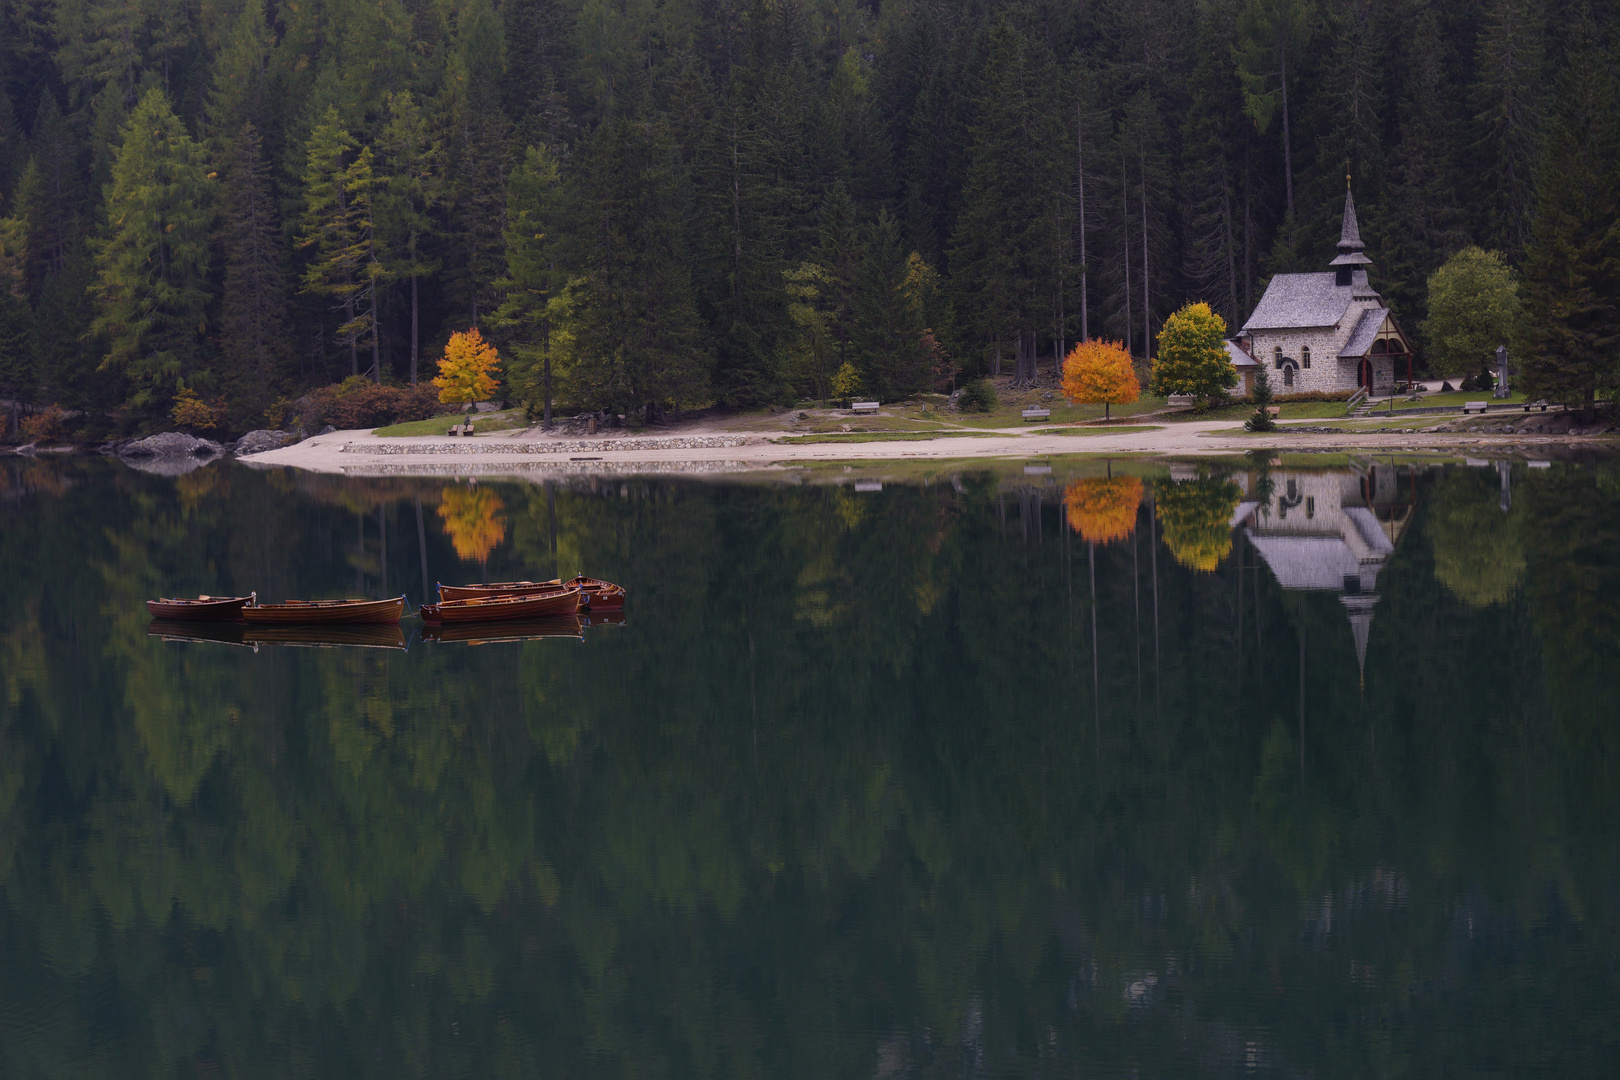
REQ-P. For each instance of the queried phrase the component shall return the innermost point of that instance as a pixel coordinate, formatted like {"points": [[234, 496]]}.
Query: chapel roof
{"points": [[1350, 245], [1362, 337], [1238, 355], [1300, 300]]}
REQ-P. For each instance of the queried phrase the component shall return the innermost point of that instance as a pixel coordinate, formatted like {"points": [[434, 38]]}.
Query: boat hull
{"points": [[532, 605], [593, 592], [202, 609], [326, 612]]}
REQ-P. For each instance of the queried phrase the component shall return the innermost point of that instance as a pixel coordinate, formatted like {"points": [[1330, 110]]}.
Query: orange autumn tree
{"points": [[1100, 373], [472, 520], [1103, 509], [465, 371]]}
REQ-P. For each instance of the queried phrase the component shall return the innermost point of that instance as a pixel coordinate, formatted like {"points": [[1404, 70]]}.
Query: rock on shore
{"points": [[257, 442], [171, 444]]}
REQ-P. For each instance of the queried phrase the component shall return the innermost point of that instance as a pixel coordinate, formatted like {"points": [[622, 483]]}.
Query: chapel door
{"points": [[1364, 375]]}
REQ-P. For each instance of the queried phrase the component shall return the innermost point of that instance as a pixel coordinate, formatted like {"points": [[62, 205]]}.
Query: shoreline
{"points": [[360, 453]]}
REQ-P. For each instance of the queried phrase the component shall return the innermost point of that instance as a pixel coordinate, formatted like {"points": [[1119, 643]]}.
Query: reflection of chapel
{"points": [[1330, 532], [1327, 330]]}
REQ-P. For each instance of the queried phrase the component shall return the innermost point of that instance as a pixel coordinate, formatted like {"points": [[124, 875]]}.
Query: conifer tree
{"points": [[539, 37], [535, 275], [337, 228], [1571, 340], [411, 191], [637, 338], [152, 259], [253, 308], [887, 328], [839, 253], [240, 78], [477, 153], [50, 195], [1508, 116], [1272, 34]]}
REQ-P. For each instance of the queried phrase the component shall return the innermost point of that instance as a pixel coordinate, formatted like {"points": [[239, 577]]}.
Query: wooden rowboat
{"points": [[531, 605], [306, 612], [213, 608], [593, 592]]}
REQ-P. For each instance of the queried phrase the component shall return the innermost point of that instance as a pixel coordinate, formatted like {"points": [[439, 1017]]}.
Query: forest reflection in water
{"points": [[1167, 771]]}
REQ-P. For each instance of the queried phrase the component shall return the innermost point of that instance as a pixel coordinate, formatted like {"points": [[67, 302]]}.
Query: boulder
{"points": [[257, 442], [171, 444]]}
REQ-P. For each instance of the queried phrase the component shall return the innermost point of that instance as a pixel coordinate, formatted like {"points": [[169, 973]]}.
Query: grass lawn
{"points": [[483, 424], [1455, 398], [1290, 410]]}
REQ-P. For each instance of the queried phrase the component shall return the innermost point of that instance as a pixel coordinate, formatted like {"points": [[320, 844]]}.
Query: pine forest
{"points": [[225, 205]]}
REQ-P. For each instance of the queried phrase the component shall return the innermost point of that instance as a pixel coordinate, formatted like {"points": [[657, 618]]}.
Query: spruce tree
{"points": [[637, 339], [1571, 341], [50, 195], [535, 274], [152, 258], [1507, 98], [887, 327], [253, 307]]}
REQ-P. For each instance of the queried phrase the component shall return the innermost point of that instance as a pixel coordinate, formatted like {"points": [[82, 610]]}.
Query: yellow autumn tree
{"points": [[1100, 373], [473, 521], [1196, 518], [1103, 509], [465, 371]]}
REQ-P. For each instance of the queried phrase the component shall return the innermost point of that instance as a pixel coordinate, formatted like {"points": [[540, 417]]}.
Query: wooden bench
{"points": [[1542, 405], [460, 429], [1179, 401], [863, 406], [1473, 406], [1273, 411], [1037, 414]]}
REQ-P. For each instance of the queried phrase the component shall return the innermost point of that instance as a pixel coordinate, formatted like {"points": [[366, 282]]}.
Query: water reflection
{"points": [[964, 778]]}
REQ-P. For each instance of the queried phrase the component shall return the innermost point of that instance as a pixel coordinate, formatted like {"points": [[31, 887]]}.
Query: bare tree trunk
{"points": [[1125, 205], [1080, 186], [415, 334], [1288, 139], [1147, 304]]}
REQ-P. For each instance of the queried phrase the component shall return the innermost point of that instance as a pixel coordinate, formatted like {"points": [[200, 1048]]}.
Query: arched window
{"points": [[1305, 356], [1277, 354]]}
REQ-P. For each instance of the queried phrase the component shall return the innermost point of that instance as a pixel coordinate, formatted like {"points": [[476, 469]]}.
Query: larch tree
{"points": [[337, 227], [467, 370], [1192, 355], [1102, 373], [412, 187], [152, 258]]}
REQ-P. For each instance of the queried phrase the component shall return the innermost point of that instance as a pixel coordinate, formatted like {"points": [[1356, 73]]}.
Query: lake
{"points": [[1121, 769]]}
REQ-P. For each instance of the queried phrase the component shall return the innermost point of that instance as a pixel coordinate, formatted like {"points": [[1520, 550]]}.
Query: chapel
{"points": [[1327, 330]]}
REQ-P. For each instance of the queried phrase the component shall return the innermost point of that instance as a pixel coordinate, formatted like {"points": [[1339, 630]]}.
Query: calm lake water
{"points": [[1260, 772]]}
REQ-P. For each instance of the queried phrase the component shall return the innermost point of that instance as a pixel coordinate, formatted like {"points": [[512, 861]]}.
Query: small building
{"points": [[1327, 331]]}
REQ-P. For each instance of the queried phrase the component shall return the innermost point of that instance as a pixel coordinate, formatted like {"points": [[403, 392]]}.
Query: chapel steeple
{"points": [[1350, 246]]}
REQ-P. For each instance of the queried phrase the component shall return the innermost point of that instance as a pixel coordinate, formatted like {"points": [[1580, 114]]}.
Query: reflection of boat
{"points": [[607, 617], [304, 612], [558, 626], [593, 592], [226, 633], [215, 608], [338, 635], [541, 603]]}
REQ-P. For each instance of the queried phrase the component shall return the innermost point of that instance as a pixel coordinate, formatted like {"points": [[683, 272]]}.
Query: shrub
{"points": [[977, 396], [47, 427], [191, 411], [1262, 397], [846, 382], [357, 402], [1309, 395]]}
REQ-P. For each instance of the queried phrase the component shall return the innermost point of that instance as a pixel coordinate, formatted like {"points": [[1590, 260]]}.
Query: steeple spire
{"points": [[1350, 246]]}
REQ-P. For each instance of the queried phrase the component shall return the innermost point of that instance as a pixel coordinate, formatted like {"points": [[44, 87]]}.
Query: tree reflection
{"points": [[473, 521], [1103, 509], [1196, 518]]}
